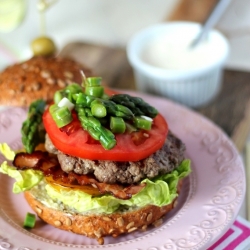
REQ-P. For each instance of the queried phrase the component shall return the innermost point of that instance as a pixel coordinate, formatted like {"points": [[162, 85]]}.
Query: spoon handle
{"points": [[212, 19]]}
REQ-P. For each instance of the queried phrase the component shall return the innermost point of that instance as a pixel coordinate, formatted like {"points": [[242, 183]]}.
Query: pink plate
{"points": [[209, 205]]}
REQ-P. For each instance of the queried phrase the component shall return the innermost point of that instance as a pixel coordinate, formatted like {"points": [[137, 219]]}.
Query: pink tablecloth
{"points": [[236, 238]]}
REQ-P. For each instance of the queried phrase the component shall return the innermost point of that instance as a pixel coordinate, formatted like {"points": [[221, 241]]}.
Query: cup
{"points": [[165, 65]]}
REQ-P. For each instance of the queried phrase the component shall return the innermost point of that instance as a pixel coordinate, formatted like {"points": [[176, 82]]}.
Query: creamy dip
{"points": [[173, 52]]}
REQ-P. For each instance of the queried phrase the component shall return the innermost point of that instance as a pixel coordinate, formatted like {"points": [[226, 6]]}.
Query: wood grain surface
{"points": [[192, 10], [230, 110]]}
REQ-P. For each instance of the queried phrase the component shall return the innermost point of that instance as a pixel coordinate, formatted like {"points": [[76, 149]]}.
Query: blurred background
{"points": [[113, 22]]}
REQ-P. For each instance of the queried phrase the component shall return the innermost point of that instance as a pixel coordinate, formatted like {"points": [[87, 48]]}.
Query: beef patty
{"points": [[162, 161]]}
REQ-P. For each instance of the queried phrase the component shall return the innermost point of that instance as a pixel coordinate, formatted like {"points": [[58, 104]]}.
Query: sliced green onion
{"points": [[89, 100], [94, 91], [62, 116], [30, 220], [75, 96], [98, 110], [81, 98], [58, 96], [74, 88], [69, 92], [93, 81], [93, 86], [147, 118], [65, 102], [53, 108], [142, 123], [117, 125]]}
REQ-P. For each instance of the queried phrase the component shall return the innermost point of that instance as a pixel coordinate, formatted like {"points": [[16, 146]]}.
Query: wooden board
{"points": [[230, 110], [192, 10]]}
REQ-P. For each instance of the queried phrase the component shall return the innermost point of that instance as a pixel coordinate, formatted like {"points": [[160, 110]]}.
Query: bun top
{"points": [[38, 78]]}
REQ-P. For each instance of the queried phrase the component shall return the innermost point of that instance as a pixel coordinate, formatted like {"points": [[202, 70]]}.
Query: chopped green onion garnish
{"points": [[58, 96], [30, 220], [142, 123], [53, 108], [65, 102], [74, 88], [80, 99], [98, 110], [147, 118], [102, 116], [93, 86], [94, 91], [89, 100], [117, 125], [68, 92], [93, 81], [61, 115]]}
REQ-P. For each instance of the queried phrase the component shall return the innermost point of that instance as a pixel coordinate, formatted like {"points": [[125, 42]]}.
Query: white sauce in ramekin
{"points": [[174, 52]]}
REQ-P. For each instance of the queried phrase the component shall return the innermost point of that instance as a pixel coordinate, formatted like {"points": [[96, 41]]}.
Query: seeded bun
{"points": [[101, 225], [38, 78]]}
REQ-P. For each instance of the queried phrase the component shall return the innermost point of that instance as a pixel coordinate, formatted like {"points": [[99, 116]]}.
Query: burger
{"points": [[38, 77], [96, 163]]}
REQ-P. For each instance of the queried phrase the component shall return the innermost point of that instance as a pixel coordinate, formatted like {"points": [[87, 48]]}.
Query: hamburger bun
{"points": [[101, 225], [38, 78]]}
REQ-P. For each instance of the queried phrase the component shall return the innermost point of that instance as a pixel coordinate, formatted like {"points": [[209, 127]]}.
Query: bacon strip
{"points": [[118, 190], [50, 166], [38, 160]]}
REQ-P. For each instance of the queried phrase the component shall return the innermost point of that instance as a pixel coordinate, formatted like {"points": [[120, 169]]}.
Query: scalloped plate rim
{"points": [[136, 243]]}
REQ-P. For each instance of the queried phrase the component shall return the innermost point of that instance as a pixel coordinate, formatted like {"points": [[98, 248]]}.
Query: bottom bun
{"points": [[101, 225]]}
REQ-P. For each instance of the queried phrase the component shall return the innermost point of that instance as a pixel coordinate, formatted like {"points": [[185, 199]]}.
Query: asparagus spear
{"points": [[95, 111], [111, 107], [32, 128], [95, 129], [135, 104]]}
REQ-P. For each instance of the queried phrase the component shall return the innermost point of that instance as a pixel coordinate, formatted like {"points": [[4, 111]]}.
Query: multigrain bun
{"points": [[100, 225], [38, 78]]}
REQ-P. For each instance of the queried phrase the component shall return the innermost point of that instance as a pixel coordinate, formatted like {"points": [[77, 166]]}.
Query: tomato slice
{"points": [[78, 142]]}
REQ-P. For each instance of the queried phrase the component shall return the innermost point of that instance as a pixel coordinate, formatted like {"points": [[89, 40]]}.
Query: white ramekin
{"points": [[192, 87]]}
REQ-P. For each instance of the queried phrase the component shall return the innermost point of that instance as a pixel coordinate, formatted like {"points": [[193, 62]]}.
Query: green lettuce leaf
{"points": [[8, 153], [160, 191], [25, 179]]}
